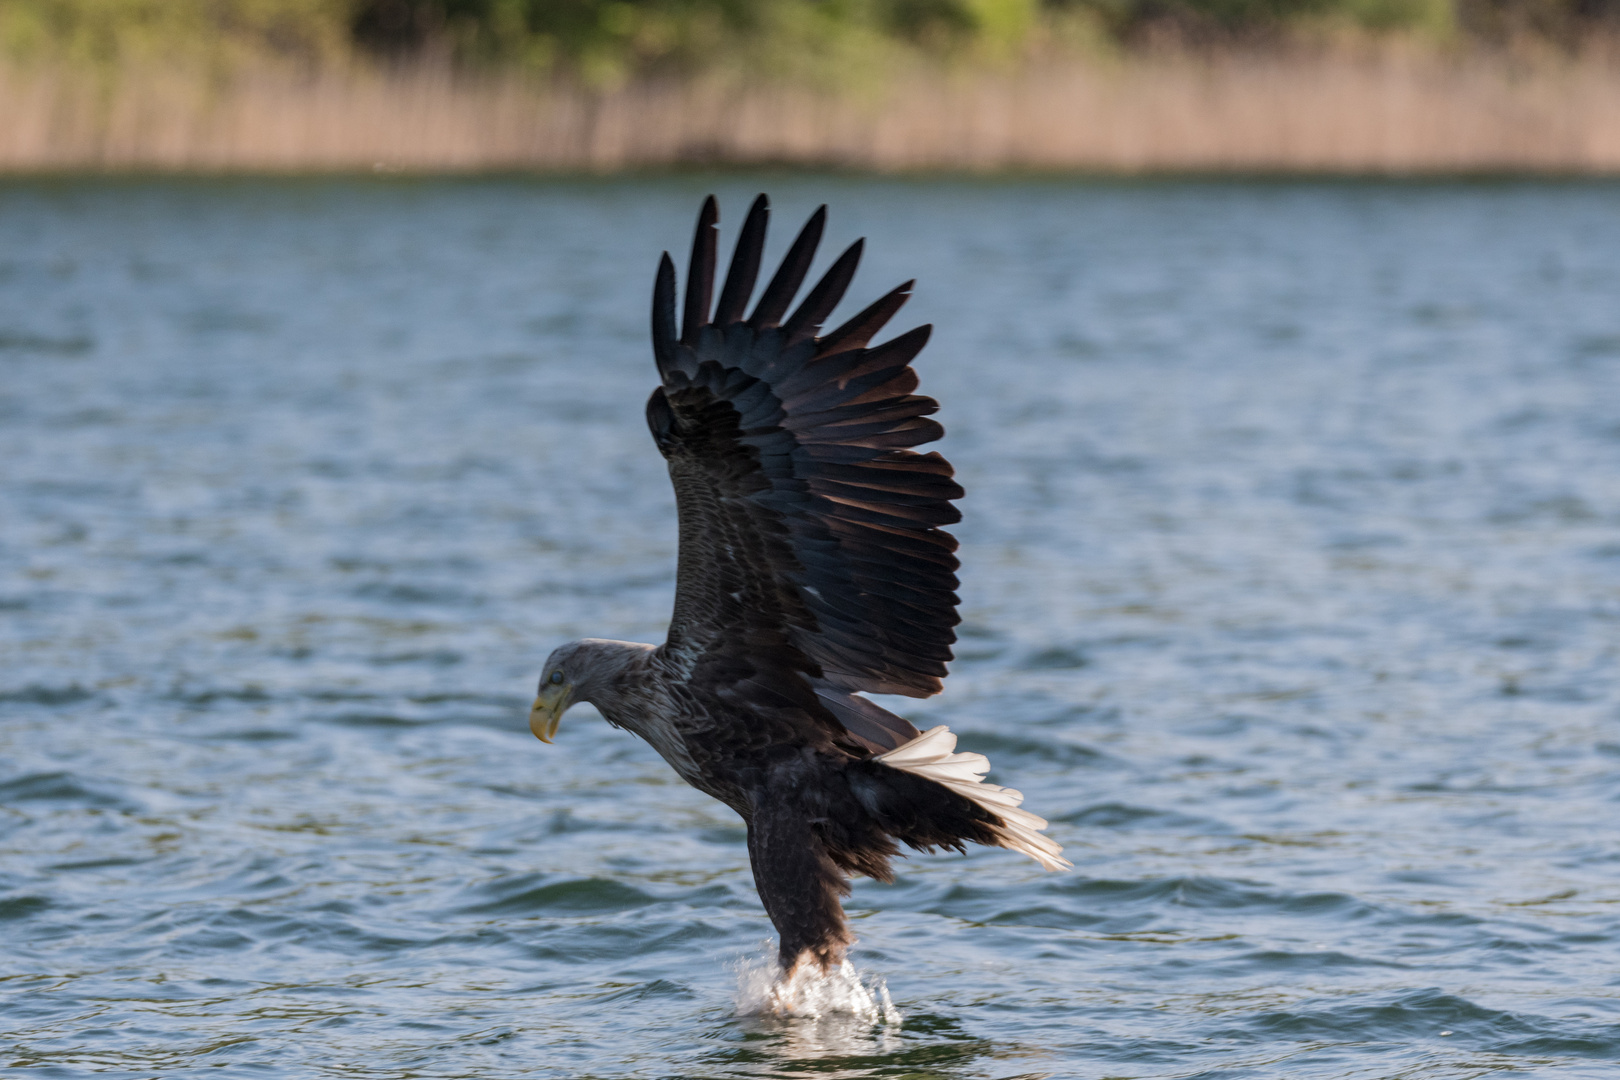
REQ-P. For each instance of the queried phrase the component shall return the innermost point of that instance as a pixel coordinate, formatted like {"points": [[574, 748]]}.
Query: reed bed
{"points": [[1394, 112]]}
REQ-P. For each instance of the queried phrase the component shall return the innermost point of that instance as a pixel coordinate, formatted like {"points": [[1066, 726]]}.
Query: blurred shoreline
{"points": [[1386, 112]]}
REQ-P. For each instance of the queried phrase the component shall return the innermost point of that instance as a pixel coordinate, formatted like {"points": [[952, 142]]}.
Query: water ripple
{"points": [[1290, 578]]}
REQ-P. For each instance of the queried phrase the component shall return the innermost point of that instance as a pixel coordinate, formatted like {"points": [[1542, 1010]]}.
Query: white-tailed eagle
{"points": [[812, 568]]}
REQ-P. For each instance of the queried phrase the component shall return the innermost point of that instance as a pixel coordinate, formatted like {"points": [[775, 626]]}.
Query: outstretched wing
{"points": [[810, 533]]}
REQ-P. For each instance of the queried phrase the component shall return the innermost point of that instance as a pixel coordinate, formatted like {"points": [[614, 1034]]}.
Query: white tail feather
{"points": [[933, 755]]}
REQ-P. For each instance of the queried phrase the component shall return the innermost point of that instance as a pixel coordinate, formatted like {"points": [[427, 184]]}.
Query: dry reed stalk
{"points": [[1391, 113]]}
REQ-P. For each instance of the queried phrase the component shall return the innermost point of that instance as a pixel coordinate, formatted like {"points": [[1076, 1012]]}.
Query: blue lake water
{"points": [[1291, 591]]}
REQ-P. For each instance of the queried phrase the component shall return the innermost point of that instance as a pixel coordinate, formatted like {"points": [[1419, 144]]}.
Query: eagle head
{"points": [[590, 669]]}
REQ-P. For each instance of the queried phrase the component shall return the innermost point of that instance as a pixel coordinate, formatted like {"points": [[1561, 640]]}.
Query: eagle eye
{"points": [[556, 678]]}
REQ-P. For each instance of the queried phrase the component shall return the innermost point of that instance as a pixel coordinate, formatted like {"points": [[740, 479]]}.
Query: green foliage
{"points": [[1228, 20], [1433, 17], [603, 37], [606, 40], [121, 31]]}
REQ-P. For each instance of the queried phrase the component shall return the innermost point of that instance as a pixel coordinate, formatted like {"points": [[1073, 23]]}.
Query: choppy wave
{"points": [[1290, 601]]}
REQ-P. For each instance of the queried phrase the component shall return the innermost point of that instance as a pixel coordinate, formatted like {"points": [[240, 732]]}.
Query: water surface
{"points": [[1292, 596]]}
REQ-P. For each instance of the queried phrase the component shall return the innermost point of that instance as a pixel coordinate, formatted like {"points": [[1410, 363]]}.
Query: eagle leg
{"points": [[798, 883]]}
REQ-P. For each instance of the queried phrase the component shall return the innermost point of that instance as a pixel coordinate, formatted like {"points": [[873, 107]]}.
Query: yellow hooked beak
{"points": [[546, 713]]}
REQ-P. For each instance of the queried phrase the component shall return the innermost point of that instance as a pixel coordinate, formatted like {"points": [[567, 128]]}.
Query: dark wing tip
{"points": [[745, 260], [859, 331], [700, 271], [780, 292], [900, 349], [825, 296], [663, 313]]}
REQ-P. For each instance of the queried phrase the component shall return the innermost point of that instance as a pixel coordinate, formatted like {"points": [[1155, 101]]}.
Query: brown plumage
{"points": [[812, 568]]}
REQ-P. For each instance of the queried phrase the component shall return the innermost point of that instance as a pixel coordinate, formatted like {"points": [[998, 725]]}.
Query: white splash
{"points": [[810, 994]]}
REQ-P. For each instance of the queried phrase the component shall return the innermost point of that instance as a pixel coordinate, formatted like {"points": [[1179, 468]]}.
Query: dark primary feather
{"points": [[700, 272], [744, 265], [858, 331], [811, 546], [790, 275], [824, 297]]}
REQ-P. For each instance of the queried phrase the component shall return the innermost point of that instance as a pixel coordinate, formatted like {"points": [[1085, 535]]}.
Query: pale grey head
{"points": [[591, 669]]}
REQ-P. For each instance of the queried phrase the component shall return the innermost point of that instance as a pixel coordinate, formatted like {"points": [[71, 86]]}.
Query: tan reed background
{"points": [[1390, 113]]}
